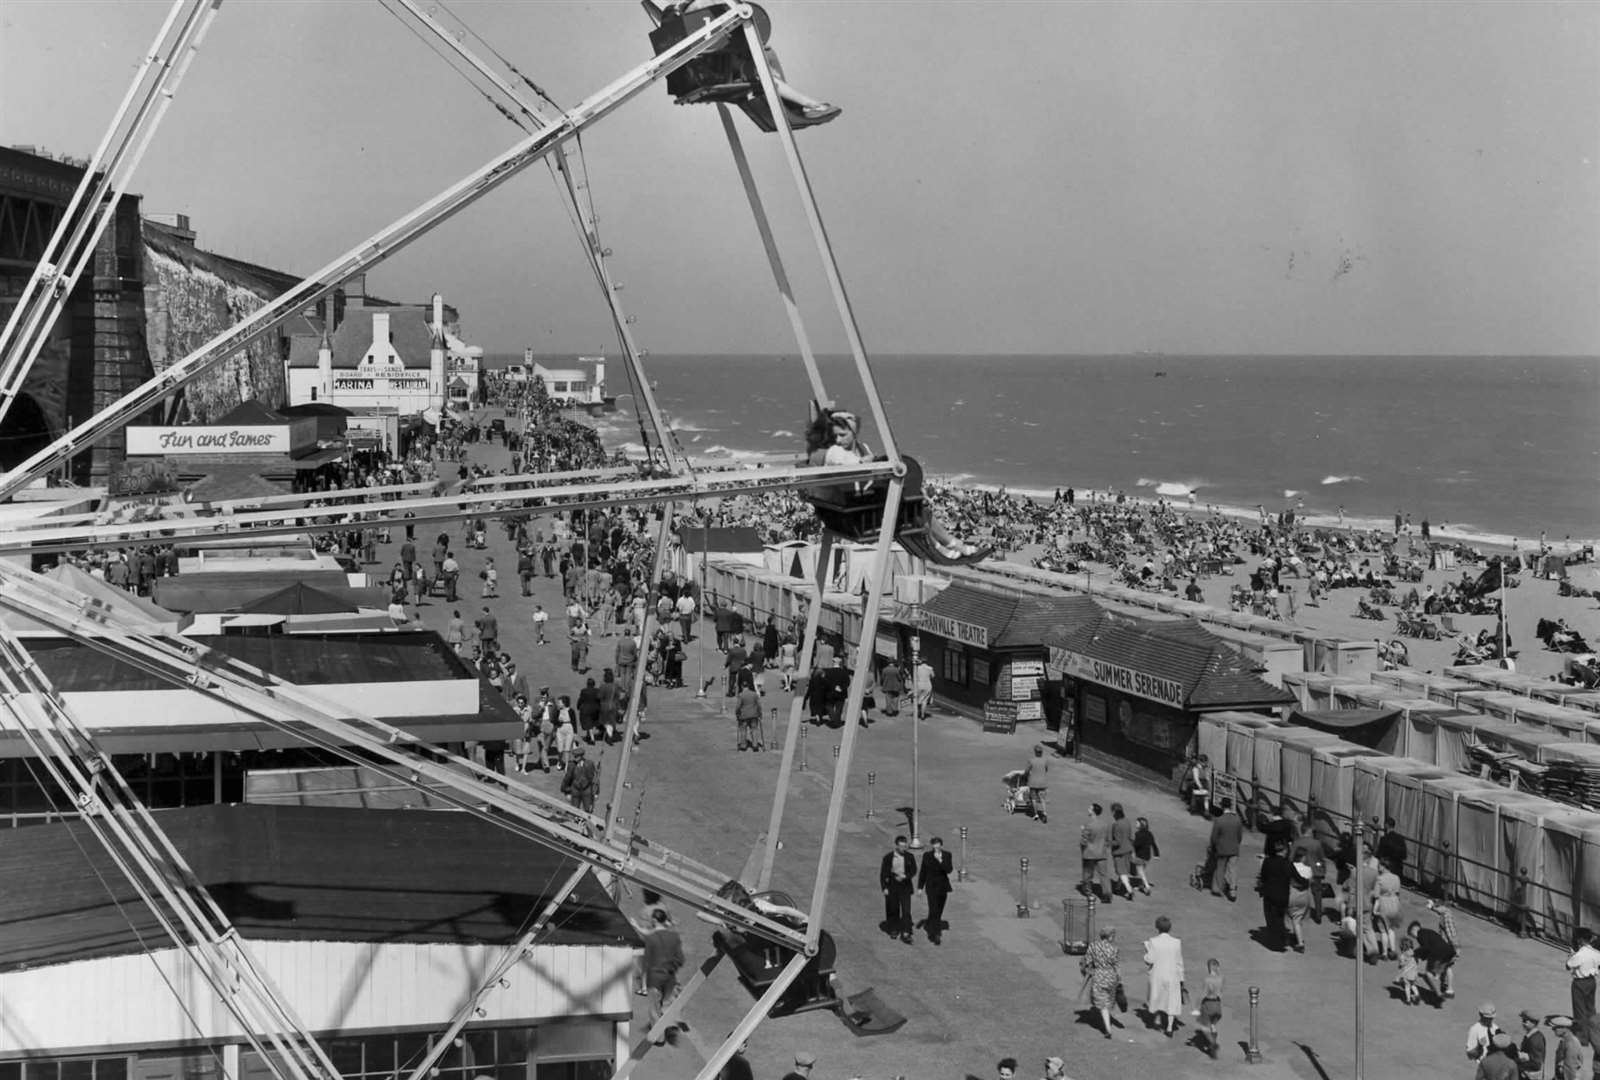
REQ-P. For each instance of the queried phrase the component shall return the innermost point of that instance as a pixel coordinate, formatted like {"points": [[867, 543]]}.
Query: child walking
{"points": [[1211, 1006], [1408, 969], [1144, 849]]}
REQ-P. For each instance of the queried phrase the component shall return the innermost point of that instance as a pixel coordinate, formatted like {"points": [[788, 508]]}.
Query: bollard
{"points": [[961, 871], [872, 779], [1252, 1052], [1023, 911], [803, 728]]}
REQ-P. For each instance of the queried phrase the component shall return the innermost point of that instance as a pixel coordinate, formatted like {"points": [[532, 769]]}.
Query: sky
{"points": [[1006, 177]]}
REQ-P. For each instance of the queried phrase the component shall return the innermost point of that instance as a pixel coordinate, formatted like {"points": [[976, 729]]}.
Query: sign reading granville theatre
{"points": [[244, 439], [956, 630], [1105, 673]]}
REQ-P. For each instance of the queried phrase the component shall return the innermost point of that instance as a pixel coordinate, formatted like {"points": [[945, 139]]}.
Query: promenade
{"points": [[999, 985]]}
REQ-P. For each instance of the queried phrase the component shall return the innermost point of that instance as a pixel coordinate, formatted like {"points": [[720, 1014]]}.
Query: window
{"points": [[1094, 708], [101, 1068], [953, 664], [313, 393], [500, 1053]]}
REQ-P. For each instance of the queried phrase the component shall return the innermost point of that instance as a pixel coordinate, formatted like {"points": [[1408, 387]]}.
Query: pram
{"points": [[1018, 795]]}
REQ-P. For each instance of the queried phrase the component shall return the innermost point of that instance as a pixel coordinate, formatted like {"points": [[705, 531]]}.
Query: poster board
{"points": [[1000, 717]]}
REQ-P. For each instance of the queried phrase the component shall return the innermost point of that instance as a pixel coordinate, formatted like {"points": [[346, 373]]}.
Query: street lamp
{"points": [[915, 619]]}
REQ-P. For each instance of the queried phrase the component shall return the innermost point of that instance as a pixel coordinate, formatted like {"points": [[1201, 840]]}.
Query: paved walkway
{"points": [[1000, 985]]}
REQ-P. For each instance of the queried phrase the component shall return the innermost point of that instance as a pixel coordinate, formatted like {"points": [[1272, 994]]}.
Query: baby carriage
{"points": [[1018, 795]]}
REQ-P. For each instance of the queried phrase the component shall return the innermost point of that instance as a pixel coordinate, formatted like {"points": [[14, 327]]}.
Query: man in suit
{"points": [[1227, 833], [934, 880], [1092, 845], [897, 877]]}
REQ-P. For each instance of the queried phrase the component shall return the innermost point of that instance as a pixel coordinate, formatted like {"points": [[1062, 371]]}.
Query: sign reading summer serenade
{"points": [[244, 439], [956, 630], [1126, 679]]}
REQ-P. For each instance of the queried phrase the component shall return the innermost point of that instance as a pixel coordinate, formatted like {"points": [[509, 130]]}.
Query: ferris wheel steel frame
{"points": [[399, 756]]}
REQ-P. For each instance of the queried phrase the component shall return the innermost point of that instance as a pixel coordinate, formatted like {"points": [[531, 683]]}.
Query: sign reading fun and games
{"points": [[1125, 679], [956, 630], [251, 439]]}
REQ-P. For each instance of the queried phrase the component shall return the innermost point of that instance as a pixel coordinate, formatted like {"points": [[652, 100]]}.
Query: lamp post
{"points": [[916, 729]]}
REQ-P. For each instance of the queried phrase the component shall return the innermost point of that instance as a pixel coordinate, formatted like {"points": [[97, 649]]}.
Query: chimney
{"points": [[438, 315], [380, 334]]}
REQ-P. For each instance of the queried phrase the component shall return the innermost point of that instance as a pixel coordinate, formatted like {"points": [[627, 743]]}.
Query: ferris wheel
{"points": [[714, 54]]}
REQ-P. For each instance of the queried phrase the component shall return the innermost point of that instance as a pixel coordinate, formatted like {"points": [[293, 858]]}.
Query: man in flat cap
{"points": [[1482, 1032], [1498, 1061], [804, 1060], [1569, 1055], [1530, 1054]]}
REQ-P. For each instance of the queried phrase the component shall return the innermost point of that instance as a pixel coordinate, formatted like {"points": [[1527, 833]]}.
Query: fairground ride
{"points": [[715, 56]]}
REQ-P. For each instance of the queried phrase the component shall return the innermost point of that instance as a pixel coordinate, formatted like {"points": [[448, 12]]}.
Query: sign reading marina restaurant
{"points": [[242, 439], [1126, 679], [956, 630]]}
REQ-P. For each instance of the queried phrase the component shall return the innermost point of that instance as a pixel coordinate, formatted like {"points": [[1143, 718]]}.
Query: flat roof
{"points": [[299, 873], [303, 659]]}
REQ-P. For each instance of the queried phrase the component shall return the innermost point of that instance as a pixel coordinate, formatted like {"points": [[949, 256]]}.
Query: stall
{"points": [[1437, 850], [1370, 786], [1482, 851], [1242, 729], [1455, 733], [1565, 881], [1333, 776], [1295, 769], [987, 648], [1140, 687]]}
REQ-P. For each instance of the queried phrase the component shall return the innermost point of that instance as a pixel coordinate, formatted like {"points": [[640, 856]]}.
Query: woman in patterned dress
{"points": [[1100, 965]]}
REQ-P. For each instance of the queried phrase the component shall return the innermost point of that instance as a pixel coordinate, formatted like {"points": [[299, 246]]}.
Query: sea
{"points": [[1487, 449]]}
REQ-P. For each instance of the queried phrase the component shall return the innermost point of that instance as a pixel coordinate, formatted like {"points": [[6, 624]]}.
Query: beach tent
{"points": [[1413, 681], [1351, 694], [1375, 729], [1573, 697], [1295, 683], [1529, 743], [1318, 689], [1419, 726], [1369, 792], [1589, 889], [1481, 848], [1333, 777], [1483, 676], [1437, 863], [1495, 703], [1562, 874], [1299, 745], [1573, 723], [1522, 826], [1242, 732], [1455, 733], [1403, 801], [1267, 756], [1211, 738], [1443, 689]]}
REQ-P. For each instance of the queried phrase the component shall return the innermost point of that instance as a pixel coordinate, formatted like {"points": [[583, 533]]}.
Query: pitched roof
{"points": [[409, 327], [299, 873], [1013, 620], [249, 412], [1211, 671]]}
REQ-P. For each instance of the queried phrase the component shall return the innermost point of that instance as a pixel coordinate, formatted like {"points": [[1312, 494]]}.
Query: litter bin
{"points": [[1077, 924]]}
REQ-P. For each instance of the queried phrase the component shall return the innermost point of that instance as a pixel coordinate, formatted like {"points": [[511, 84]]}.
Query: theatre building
{"points": [[375, 926], [1135, 689], [987, 648]]}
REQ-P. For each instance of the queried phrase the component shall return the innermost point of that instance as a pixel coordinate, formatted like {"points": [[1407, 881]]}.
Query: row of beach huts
{"points": [[1492, 777]]}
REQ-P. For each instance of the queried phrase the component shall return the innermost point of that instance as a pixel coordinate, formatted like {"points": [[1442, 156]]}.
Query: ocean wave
{"points": [[729, 452], [1171, 489], [1289, 493], [632, 448], [1331, 479], [784, 433]]}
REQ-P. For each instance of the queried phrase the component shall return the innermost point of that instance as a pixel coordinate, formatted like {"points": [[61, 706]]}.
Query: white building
{"points": [[384, 357]]}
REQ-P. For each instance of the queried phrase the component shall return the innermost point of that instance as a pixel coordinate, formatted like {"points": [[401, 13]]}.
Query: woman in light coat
{"points": [[1163, 955]]}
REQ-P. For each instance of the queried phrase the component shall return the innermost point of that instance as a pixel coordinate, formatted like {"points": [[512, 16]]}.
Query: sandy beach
{"points": [[1335, 614]]}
